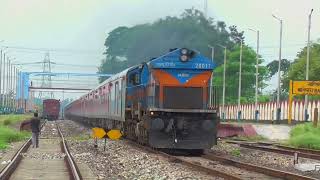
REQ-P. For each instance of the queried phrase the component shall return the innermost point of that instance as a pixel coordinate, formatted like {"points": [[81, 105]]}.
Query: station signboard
{"points": [[302, 88], [305, 87]]}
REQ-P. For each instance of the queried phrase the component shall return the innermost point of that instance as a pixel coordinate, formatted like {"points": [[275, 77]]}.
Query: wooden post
{"points": [[290, 103], [315, 117]]}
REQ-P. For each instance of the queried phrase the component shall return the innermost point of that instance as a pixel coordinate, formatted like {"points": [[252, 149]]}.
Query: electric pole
{"points": [[307, 66], [279, 71]]}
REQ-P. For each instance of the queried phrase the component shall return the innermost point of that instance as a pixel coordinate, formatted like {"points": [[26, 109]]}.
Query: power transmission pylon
{"points": [[46, 79]]}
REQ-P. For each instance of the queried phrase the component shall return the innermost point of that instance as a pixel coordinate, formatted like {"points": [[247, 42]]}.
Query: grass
{"points": [[9, 134], [305, 136], [236, 152], [11, 119]]}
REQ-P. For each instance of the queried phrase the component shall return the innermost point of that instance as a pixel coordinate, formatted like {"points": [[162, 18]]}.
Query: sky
{"points": [[74, 31]]}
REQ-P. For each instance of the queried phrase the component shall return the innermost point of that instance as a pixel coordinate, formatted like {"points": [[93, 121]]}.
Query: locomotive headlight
{"points": [[184, 58], [184, 51], [184, 55]]}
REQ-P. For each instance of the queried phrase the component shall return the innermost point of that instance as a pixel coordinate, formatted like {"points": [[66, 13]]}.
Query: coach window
{"points": [[111, 97], [116, 97]]}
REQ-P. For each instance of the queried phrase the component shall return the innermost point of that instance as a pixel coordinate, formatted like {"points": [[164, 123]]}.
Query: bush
{"points": [[7, 122], [305, 136], [13, 118], [8, 135]]}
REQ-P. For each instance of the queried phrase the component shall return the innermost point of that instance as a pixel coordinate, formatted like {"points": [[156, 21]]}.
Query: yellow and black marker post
{"points": [[100, 133]]}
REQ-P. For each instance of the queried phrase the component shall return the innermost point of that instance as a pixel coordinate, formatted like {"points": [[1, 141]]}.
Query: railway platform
{"points": [[270, 131]]}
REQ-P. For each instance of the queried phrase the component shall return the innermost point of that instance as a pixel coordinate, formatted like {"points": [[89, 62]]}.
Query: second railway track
{"points": [[280, 149], [225, 168], [51, 161]]}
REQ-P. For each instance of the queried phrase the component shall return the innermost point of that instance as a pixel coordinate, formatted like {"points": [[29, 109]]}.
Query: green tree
{"points": [[132, 45], [112, 65], [297, 70], [248, 82], [235, 35], [127, 46], [273, 66]]}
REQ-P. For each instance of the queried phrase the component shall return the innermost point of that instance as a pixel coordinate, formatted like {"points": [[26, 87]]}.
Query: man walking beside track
{"points": [[35, 128]]}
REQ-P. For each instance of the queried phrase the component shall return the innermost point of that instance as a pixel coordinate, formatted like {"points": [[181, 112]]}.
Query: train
{"points": [[51, 109], [163, 103]]}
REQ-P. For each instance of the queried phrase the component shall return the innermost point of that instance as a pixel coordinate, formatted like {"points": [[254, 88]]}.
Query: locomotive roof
{"points": [[172, 60], [51, 100]]}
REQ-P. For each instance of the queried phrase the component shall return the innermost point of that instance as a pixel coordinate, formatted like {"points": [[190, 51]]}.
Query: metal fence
{"points": [[267, 111]]}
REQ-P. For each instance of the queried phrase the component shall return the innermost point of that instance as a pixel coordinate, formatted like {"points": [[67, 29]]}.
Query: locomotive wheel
{"points": [[130, 130], [141, 133]]}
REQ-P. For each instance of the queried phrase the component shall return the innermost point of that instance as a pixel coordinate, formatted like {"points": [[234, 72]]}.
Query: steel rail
{"points": [[300, 150], [259, 169], [205, 169], [12, 166], [72, 166], [280, 150]]}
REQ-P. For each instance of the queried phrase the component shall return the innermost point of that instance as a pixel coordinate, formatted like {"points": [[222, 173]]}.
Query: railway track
{"points": [[280, 149], [51, 161], [225, 168], [259, 169]]}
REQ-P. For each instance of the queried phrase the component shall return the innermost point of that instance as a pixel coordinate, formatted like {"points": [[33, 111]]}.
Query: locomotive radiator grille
{"points": [[183, 98]]}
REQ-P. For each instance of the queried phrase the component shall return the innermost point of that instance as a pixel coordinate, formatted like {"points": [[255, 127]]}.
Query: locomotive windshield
{"points": [[183, 97]]}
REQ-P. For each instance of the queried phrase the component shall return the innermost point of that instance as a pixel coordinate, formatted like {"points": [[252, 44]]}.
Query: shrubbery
{"points": [[13, 118], [8, 135], [305, 136]]}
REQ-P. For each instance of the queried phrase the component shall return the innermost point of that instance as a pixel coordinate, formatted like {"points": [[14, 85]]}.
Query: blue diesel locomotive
{"points": [[163, 103]]}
